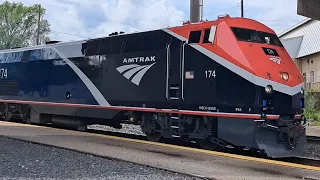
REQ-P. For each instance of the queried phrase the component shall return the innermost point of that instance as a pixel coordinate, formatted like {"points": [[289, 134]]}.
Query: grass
{"points": [[316, 123], [311, 112], [314, 118], [312, 115]]}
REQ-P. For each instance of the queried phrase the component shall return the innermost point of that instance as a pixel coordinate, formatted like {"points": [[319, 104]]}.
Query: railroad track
{"points": [[297, 160], [303, 161], [313, 139]]}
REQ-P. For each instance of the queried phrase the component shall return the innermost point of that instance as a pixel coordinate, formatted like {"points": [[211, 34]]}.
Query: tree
{"points": [[19, 25]]}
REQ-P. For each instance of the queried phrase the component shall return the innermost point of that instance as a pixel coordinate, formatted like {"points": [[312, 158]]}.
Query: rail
{"points": [[313, 139], [302, 160], [297, 160]]}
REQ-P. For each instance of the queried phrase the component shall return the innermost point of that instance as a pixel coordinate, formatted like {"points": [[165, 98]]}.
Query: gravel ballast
{"points": [[126, 128], [23, 160], [312, 151]]}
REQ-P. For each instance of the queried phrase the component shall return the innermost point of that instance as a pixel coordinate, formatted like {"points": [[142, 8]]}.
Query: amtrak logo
{"points": [[135, 72], [275, 59], [139, 59]]}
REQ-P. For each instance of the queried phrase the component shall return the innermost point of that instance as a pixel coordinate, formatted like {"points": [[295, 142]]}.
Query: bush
{"points": [[310, 110]]}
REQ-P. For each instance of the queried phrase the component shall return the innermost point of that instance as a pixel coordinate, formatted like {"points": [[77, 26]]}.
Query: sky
{"points": [[82, 19]]}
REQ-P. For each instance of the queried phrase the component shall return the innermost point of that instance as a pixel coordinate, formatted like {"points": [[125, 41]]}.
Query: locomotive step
{"points": [[175, 127], [176, 136], [174, 98], [173, 117]]}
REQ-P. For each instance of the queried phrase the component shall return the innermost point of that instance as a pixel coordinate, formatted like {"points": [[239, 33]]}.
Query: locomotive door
{"points": [[174, 86]]}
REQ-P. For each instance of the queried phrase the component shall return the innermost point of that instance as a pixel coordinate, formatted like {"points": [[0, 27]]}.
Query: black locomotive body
{"points": [[172, 86]]}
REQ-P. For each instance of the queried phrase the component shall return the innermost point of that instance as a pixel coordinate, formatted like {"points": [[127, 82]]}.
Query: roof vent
{"points": [[223, 16], [52, 42], [113, 34], [116, 33]]}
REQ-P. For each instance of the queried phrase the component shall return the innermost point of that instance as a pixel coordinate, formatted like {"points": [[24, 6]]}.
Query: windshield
{"points": [[271, 39], [249, 35]]}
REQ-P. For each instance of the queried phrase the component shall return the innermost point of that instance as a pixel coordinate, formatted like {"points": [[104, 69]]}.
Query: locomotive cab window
{"points": [[250, 35], [206, 36], [271, 39], [246, 35], [194, 37]]}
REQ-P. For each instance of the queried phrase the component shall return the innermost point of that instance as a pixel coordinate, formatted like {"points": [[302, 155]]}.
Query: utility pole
{"points": [[196, 11], [39, 20], [201, 9], [241, 8]]}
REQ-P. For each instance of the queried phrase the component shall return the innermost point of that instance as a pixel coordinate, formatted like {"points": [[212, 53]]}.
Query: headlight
{"points": [[269, 89], [302, 90], [284, 76]]}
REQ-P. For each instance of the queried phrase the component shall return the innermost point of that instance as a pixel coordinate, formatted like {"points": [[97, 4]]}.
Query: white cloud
{"points": [[96, 18], [75, 16], [277, 14]]}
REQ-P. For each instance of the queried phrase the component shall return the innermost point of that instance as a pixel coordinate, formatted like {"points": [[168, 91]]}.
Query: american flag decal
{"points": [[189, 75]]}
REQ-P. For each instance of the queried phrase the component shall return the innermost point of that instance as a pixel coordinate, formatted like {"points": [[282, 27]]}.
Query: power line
{"points": [[77, 35], [277, 20], [142, 28], [171, 24], [238, 5]]}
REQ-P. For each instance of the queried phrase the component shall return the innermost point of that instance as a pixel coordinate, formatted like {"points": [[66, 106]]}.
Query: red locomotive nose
{"points": [[257, 49]]}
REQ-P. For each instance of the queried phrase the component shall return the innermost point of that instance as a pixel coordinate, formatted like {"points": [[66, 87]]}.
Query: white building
{"points": [[303, 44]]}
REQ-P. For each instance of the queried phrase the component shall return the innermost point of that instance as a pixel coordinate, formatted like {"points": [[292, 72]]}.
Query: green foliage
{"points": [[19, 25], [310, 102], [310, 111]]}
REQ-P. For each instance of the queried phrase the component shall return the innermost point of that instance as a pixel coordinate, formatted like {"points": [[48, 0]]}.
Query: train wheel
{"points": [[155, 137], [26, 120], [7, 115], [26, 111], [208, 145], [82, 128]]}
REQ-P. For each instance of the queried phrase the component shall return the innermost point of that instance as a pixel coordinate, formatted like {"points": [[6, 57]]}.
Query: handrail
{"points": [[182, 71], [168, 64]]}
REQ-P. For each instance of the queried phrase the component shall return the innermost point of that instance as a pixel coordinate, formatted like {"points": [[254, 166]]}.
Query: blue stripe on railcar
{"points": [[41, 75]]}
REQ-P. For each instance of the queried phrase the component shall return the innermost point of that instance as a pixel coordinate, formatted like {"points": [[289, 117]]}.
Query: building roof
{"points": [[292, 45], [295, 27], [302, 39]]}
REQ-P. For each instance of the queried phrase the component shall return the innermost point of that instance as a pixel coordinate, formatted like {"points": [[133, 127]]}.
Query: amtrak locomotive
{"points": [[219, 83]]}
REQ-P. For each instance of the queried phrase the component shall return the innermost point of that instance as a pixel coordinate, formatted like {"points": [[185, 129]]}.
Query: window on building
{"points": [[312, 77], [194, 37], [304, 76]]}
